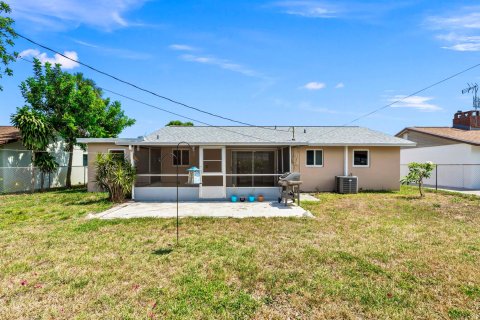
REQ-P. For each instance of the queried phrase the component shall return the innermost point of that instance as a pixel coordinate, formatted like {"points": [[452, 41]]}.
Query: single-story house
{"points": [[16, 164], [456, 150], [249, 160]]}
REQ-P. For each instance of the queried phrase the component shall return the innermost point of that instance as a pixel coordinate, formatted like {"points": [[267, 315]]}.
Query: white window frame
{"points": [[123, 150], [181, 157], [368, 159], [314, 158]]}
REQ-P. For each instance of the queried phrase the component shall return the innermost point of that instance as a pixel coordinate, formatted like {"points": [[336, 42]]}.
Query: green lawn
{"points": [[371, 255]]}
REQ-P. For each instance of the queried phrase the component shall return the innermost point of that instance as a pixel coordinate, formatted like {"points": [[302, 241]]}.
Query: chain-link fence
{"points": [[451, 176], [18, 175], [24, 179]]}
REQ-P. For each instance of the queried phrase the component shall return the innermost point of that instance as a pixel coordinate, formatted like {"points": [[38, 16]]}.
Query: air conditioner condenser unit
{"points": [[346, 184]]}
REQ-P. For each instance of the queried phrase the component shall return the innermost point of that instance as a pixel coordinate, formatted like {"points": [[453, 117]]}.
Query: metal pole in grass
{"points": [[436, 177]]}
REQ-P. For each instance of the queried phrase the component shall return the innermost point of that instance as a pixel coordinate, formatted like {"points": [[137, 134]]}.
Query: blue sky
{"points": [[262, 62]]}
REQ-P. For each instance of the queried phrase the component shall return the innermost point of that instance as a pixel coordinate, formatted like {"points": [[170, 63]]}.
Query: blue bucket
{"points": [[251, 198], [233, 198]]}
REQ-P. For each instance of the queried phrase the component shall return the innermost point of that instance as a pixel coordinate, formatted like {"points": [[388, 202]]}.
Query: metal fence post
{"points": [[436, 177]]}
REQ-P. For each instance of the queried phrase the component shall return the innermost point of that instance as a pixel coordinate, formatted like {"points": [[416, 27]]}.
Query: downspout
{"points": [[132, 150], [345, 161]]}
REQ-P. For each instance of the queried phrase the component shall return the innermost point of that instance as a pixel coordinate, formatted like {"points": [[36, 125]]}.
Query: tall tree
{"points": [[73, 106], [7, 34], [179, 123]]}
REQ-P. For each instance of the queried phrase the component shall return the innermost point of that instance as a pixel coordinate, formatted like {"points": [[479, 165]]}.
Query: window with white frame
{"points": [[182, 157], [314, 158], [118, 153], [361, 158]]}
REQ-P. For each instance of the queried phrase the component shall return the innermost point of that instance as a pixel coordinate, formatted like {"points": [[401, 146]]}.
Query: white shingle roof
{"points": [[283, 135], [230, 135]]}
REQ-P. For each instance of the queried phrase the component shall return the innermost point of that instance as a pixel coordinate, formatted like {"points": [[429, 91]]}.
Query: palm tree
{"points": [[36, 135]]}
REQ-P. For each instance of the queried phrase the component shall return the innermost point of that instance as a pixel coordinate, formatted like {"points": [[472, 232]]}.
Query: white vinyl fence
{"points": [[451, 176]]}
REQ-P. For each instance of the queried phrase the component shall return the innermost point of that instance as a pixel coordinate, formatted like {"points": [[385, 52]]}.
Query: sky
{"points": [[321, 63]]}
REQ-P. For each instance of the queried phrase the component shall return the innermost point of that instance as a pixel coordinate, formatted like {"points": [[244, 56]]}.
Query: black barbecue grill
{"points": [[290, 183]]}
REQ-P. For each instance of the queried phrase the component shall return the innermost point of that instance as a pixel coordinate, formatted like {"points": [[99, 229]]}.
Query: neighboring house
{"points": [[249, 160], [16, 164], [455, 149]]}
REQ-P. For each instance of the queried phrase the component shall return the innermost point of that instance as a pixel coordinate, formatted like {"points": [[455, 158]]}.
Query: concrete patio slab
{"points": [[202, 209]]}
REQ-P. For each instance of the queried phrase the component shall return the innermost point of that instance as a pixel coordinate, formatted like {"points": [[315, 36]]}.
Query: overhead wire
{"points": [[129, 83], [171, 112]]}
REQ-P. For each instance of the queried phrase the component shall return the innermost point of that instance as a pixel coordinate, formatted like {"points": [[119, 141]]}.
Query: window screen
{"points": [[318, 157], [310, 158], [118, 154], [360, 158], [314, 158], [182, 157]]}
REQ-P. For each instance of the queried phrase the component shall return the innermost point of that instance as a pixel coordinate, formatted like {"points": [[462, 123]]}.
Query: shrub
{"points": [[418, 172], [116, 175]]}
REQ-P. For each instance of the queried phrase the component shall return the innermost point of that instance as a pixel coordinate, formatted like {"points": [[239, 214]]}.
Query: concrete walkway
{"points": [[202, 209], [474, 192]]}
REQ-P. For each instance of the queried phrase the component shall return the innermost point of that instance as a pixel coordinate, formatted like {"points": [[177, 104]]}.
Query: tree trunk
{"points": [[42, 181], [420, 188], [69, 149]]}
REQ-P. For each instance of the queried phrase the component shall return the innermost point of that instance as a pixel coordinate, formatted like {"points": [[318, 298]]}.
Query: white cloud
{"points": [[310, 9], [339, 85], [224, 64], [57, 59], [461, 31], [314, 85], [67, 14], [462, 20], [181, 47], [415, 102]]}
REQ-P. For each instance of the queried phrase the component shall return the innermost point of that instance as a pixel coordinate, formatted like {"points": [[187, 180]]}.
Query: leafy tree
{"points": [[36, 135], [73, 106], [7, 34], [179, 123], [418, 172], [115, 175]]}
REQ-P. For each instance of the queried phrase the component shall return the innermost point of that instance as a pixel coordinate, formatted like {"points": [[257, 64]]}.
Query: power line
{"points": [[141, 88], [405, 97], [170, 112]]}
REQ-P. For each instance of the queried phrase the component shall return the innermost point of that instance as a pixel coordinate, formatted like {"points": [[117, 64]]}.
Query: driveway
{"points": [[202, 209]]}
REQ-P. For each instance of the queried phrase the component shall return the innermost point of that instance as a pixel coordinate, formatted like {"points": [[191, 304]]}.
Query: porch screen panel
{"points": [[286, 160], [263, 163], [242, 164], [252, 163]]}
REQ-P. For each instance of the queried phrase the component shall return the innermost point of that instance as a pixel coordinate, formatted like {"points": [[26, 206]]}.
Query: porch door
{"points": [[213, 166]]}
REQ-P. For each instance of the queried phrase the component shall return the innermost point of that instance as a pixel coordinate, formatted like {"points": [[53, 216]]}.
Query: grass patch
{"points": [[368, 255]]}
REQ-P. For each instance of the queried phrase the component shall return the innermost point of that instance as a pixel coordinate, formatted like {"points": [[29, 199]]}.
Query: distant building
{"points": [[16, 164], [456, 149]]}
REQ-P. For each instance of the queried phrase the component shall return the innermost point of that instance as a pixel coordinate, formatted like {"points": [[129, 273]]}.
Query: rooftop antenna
{"points": [[473, 88]]}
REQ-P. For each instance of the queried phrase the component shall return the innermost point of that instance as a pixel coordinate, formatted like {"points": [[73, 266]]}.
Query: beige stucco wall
{"points": [[93, 149], [382, 174]]}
